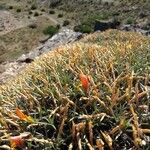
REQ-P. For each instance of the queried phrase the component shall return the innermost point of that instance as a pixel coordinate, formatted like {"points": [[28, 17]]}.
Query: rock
{"points": [[11, 69], [144, 32], [63, 37], [25, 59], [44, 40], [136, 28], [2, 69], [104, 25], [127, 27]]}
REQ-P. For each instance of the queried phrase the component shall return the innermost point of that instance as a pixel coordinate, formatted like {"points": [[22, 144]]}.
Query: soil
{"points": [[8, 22]]}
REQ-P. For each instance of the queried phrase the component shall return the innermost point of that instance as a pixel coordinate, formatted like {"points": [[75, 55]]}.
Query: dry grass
{"points": [[113, 114]]}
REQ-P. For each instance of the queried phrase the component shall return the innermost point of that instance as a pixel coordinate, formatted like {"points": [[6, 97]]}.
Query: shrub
{"points": [[2, 7], [32, 26], [116, 21], [50, 30], [33, 7], [58, 26], [106, 3], [36, 14], [51, 12], [60, 15], [129, 21], [18, 10], [43, 10], [10, 7], [76, 28], [30, 12], [54, 3], [86, 29], [66, 22], [83, 28]]}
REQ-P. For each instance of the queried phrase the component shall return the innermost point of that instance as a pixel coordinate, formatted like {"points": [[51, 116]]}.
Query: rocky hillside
{"points": [[83, 13], [93, 94], [11, 69]]}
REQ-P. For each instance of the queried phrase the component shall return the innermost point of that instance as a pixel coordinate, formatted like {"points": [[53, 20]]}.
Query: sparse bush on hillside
{"points": [[42, 10], [129, 21], [18, 10], [33, 7], [66, 22], [36, 14], [54, 3], [51, 30], [10, 7], [30, 12], [51, 12], [32, 26], [60, 15], [58, 26], [83, 28]]}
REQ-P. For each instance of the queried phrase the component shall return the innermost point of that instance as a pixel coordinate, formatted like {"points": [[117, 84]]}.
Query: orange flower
{"points": [[16, 141], [84, 81], [24, 117]]}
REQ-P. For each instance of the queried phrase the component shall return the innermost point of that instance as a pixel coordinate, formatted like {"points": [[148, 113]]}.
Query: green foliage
{"points": [[50, 30], [129, 21], [83, 28], [86, 11]]}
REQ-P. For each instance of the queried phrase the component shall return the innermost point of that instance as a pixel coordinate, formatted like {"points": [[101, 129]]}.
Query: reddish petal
{"points": [[20, 114], [16, 141], [84, 81], [24, 117]]}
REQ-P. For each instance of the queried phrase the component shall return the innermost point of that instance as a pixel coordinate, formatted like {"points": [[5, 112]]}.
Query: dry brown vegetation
{"points": [[112, 114]]}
